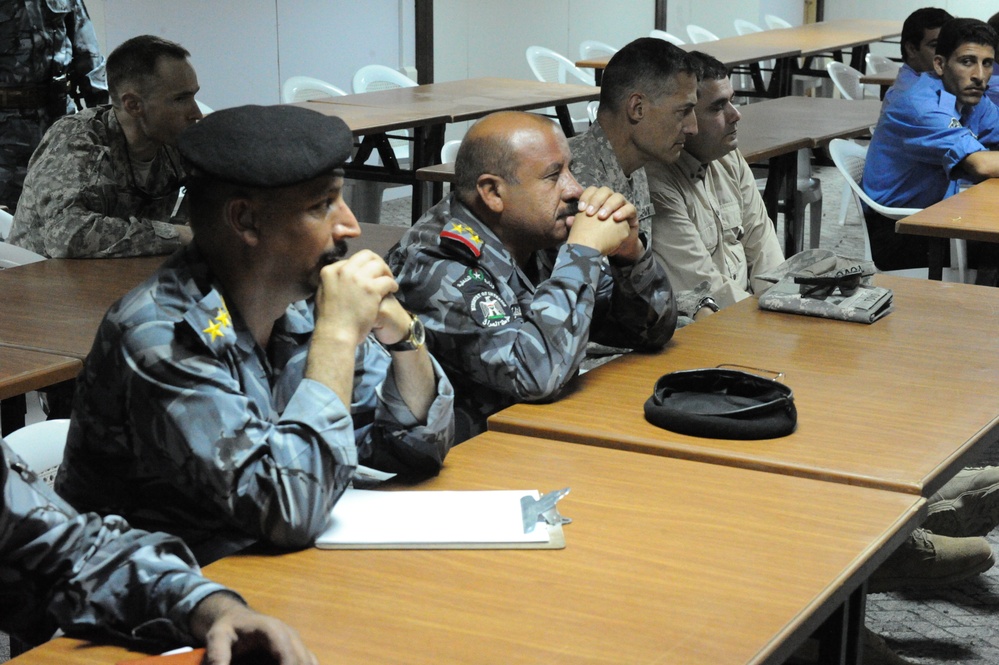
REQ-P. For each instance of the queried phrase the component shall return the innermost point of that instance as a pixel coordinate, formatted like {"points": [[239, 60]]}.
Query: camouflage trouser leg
{"points": [[20, 134]]}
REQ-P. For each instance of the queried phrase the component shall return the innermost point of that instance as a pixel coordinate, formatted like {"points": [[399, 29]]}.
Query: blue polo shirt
{"points": [[920, 139], [992, 92]]}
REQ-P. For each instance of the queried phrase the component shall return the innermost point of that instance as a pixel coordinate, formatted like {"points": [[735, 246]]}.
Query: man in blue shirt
{"points": [[919, 42], [993, 90], [933, 132]]}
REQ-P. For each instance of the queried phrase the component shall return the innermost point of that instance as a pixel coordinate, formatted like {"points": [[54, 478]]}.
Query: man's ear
{"points": [[635, 106], [241, 217], [132, 104], [910, 50], [491, 189], [938, 64]]}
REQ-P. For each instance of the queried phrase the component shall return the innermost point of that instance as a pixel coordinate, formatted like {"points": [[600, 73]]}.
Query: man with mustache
{"points": [[230, 398], [934, 131], [711, 231], [519, 267]]}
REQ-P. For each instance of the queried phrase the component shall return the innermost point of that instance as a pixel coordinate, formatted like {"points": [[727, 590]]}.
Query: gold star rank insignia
{"points": [[218, 325], [465, 235]]}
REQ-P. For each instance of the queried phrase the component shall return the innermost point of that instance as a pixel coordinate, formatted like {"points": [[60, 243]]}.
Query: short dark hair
{"points": [[958, 31], [134, 61], [707, 67], [647, 64], [994, 21], [918, 22]]}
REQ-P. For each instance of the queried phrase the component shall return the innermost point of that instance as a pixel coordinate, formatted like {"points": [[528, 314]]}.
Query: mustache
{"points": [[569, 209], [338, 252]]}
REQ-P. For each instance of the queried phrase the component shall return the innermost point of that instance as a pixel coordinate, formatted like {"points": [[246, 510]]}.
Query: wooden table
{"points": [[968, 215], [774, 129], [666, 561], [901, 404], [22, 371], [427, 109], [784, 46], [885, 81]]}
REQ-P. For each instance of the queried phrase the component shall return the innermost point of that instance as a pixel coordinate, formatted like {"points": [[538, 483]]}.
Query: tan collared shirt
{"points": [[710, 229]]}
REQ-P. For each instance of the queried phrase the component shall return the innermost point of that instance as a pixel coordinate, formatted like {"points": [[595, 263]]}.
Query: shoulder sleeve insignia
{"points": [[464, 234]]}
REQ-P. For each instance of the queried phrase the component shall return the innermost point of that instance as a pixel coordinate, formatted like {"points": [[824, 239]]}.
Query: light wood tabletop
{"points": [[901, 404], [968, 215], [22, 370], [666, 561]]}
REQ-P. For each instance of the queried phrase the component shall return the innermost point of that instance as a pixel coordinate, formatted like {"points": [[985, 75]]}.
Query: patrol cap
{"points": [[266, 146]]}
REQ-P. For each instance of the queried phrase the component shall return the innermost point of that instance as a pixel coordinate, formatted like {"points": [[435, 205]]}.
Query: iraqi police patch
{"points": [[488, 309]]}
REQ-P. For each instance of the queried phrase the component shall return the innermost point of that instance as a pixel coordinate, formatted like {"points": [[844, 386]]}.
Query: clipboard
{"points": [[488, 519]]}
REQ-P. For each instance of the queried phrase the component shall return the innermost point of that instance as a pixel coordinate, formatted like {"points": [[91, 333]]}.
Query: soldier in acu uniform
{"points": [[519, 267]]}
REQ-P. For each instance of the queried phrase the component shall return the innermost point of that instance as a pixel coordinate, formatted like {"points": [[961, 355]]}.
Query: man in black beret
{"points": [[231, 397]]}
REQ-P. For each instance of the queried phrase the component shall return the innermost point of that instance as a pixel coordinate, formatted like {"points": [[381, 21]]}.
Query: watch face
{"points": [[417, 333]]}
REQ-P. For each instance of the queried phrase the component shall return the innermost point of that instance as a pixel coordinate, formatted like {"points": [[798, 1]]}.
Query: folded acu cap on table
{"points": [[266, 146]]}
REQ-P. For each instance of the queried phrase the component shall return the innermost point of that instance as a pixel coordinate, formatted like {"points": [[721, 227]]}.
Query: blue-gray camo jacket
{"points": [[85, 574], [504, 337], [182, 423]]}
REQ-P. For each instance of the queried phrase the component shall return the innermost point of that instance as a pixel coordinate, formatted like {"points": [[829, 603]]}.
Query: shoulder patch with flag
{"points": [[464, 235]]}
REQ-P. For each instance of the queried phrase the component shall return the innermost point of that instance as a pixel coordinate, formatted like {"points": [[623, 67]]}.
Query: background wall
{"points": [[244, 49]]}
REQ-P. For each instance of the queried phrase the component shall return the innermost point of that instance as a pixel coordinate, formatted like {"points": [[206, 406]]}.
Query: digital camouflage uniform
{"points": [[81, 198], [82, 573], [594, 164], [506, 337], [181, 423], [48, 56]]}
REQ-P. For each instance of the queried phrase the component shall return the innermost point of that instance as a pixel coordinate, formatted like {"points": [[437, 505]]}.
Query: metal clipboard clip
{"points": [[542, 509]]}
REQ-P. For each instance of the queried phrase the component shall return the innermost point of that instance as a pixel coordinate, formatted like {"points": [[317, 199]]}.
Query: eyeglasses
{"points": [[823, 286]]}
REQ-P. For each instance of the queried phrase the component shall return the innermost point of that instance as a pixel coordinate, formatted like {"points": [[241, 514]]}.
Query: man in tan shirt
{"points": [[710, 229]]}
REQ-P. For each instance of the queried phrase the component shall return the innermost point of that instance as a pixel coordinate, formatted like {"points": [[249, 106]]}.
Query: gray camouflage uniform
{"points": [[182, 423], [48, 46], [504, 336], [82, 573], [594, 164], [81, 198]]}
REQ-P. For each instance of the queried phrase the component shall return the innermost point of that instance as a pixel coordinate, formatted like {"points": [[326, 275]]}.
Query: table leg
{"points": [[782, 182], [937, 250], [562, 111], [840, 636], [12, 413], [780, 79]]}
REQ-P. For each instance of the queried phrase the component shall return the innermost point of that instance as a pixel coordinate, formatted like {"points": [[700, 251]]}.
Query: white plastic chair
{"points": [[371, 78], [776, 22], [591, 48], [847, 81], [12, 256], [366, 197], [553, 67], [449, 151], [849, 158], [41, 446], [6, 219], [879, 64], [305, 88], [665, 36], [699, 35], [744, 27]]}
